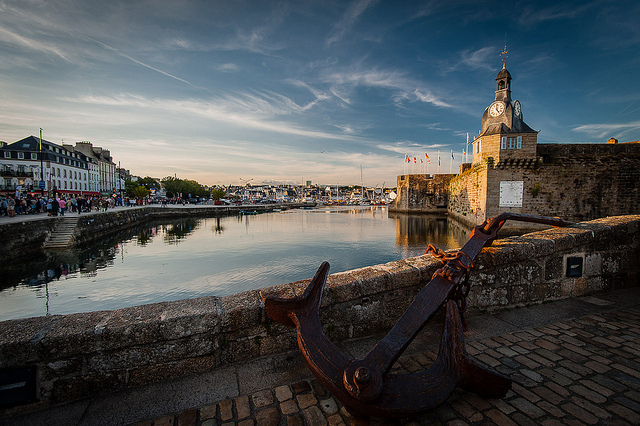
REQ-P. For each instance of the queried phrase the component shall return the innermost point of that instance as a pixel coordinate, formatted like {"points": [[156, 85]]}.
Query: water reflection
{"points": [[170, 260]]}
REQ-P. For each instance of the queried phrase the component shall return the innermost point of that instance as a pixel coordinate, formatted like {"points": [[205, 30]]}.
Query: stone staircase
{"points": [[62, 235]]}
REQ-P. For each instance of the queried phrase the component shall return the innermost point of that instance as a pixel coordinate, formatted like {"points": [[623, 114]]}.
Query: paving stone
{"points": [[580, 413], [301, 387], [262, 398], [336, 420], [164, 421], [242, 407], [289, 407], [208, 411], [295, 420], [226, 410], [314, 416], [329, 406], [188, 418], [499, 418], [503, 406], [525, 393], [629, 415], [318, 389], [467, 411], [268, 417], [306, 400], [551, 409], [209, 422], [283, 393], [527, 408], [547, 394], [248, 422], [532, 375], [592, 408], [588, 394]]}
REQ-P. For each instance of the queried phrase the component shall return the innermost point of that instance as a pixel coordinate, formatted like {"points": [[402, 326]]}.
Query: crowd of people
{"points": [[58, 205]]}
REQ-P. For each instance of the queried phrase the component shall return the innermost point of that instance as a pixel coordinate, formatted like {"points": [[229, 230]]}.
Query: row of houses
{"points": [[36, 166]]}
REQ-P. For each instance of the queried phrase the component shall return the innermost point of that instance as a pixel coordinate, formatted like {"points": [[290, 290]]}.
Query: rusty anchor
{"points": [[365, 386]]}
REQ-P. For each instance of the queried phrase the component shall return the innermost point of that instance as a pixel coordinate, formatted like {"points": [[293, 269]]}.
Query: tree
{"points": [[140, 192], [217, 193]]}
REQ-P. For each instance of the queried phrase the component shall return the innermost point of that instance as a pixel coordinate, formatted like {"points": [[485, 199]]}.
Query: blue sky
{"points": [[281, 91]]}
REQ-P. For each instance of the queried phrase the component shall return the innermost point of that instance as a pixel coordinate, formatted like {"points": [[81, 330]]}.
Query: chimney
{"points": [[612, 140]]}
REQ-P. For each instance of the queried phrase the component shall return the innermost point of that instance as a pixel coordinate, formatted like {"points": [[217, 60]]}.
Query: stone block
{"points": [[402, 274], [241, 310], [158, 372], [553, 268], [343, 287], [492, 297]]}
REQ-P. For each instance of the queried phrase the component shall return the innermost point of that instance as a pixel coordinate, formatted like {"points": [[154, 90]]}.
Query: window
{"points": [[7, 154], [58, 173], [64, 173], [20, 155], [65, 184], [479, 146], [34, 156], [511, 143]]}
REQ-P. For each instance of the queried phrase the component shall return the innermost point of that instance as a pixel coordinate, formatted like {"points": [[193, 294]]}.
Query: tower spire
{"points": [[504, 52]]}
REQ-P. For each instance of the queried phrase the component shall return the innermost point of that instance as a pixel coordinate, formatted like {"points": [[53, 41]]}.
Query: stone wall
{"points": [[73, 356], [421, 193], [572, 181]]}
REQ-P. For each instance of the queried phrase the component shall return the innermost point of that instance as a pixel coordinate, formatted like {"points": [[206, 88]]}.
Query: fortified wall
{"points": [[57, 359], [421, 193], [572, 181]]}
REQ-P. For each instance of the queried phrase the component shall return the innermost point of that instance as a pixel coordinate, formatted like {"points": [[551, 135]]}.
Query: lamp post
{"points": [[41, 184]]}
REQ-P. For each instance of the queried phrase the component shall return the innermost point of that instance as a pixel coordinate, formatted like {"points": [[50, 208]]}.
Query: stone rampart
{"points": [[70, 357], [421, 193]]}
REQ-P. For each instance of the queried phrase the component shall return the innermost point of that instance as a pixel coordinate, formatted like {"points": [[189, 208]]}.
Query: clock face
{"points": [[496, 109], [517, 109]]}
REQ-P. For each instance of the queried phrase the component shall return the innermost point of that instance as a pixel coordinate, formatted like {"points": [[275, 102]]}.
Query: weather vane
{"points": [[504, 53]]}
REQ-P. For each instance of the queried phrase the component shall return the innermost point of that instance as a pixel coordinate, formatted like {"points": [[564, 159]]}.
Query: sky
{"points": [[327, 91]]}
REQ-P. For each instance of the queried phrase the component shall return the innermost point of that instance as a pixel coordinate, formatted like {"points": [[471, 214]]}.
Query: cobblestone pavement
{"points": [[583, 371]]}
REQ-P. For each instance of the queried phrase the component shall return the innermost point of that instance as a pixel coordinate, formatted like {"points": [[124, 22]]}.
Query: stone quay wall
{"points": [[421, 193], [576, 182], [70, 357], [21, 239]]}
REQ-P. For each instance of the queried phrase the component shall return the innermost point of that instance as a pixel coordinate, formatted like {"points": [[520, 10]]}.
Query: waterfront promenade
{"points": [[573, 361]]}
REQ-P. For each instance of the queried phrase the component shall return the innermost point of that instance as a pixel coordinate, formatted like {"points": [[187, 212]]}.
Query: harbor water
{"points": [[186, 258]]}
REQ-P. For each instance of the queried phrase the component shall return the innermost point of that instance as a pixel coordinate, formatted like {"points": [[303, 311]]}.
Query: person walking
{"points": [[55, 206], [63, 205], [11, 206]]}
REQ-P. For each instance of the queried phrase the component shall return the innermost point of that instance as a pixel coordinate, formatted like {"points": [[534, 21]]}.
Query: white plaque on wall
{"points": [[511, 193]]}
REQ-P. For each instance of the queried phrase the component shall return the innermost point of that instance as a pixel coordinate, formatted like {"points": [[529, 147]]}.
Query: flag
{"points": [[438, 159], [452, 155], [421, 161], [415, 160], [464, 152]]}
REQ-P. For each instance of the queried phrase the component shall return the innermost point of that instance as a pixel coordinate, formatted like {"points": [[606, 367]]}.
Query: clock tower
{"points": [[504, 135]]}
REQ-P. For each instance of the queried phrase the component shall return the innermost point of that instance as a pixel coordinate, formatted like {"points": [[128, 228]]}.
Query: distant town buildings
{"points": [[32, 165]]}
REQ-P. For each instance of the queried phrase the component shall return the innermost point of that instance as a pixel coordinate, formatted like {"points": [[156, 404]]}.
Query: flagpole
{"points": [[438, 161], [451, 163], [467, 148]]}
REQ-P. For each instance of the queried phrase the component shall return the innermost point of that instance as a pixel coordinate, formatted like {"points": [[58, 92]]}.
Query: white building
{"points": [[26, 162]]}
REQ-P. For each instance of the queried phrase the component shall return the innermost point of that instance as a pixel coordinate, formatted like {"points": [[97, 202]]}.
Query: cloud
{"points": [[403, 88], [350, 17], [246, 111], [227, 68], [606, 130]]}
